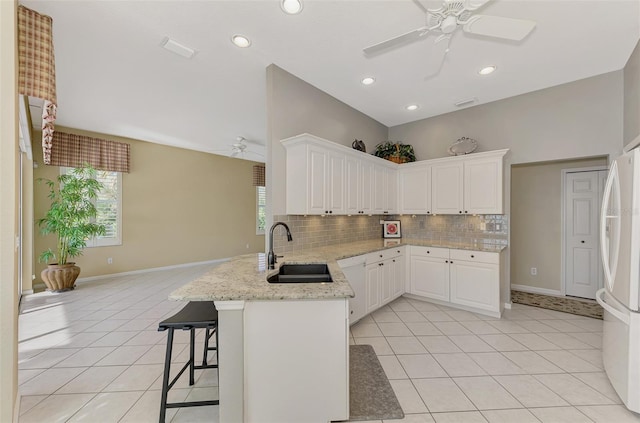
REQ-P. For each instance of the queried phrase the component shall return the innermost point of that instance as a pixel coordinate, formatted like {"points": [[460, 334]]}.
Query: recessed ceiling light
{"points": [[240, 41], [412, 107], [368, 80], [487, 70], [291, 7]]}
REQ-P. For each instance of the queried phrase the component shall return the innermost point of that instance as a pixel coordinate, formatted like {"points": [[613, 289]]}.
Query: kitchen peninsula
{"points": [[284, 347]]}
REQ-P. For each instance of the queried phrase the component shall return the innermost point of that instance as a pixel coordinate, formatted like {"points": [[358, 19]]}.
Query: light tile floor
{"points": [[94, 355]]}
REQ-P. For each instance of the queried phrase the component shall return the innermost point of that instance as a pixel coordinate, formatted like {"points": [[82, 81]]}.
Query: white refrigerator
{"points": [[620, 297]]}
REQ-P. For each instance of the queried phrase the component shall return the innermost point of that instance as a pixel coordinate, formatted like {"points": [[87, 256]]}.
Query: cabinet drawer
{"points": [[430, 252], [383, 255], [475, 256]]}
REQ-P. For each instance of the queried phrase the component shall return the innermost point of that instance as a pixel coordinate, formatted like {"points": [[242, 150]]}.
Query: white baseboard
{"points": [[536, 290], [507, 306], [16, 407], [136, 272], [27, 291]]}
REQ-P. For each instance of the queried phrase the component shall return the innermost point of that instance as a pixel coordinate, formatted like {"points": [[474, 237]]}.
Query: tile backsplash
{"points": [[319, 231]]}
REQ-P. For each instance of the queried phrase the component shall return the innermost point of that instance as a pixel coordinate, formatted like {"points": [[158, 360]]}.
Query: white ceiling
{"points": [[114, 78]]}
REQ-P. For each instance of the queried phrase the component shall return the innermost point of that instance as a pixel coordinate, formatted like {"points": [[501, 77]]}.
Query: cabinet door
{"points": [[372, 278], [391, 189], [430, 277], [316, 179], [398, 265], [447, 188], [483, 186], [358, 304], [379, 189], [475, 285], [367, 176], [335, 184], [352, 185], [415, 190], [387, 281]]}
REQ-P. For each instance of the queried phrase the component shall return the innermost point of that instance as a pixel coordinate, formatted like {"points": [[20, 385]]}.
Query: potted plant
{"points": [[396, 152], [71, 218]]}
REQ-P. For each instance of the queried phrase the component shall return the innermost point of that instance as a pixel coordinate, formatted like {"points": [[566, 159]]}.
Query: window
{"points": [[109, 205], [261, 203]]}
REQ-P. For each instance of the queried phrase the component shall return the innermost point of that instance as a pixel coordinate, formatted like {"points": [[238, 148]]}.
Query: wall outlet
{"points": [[534, 271], [109, 260], [247, 246]]}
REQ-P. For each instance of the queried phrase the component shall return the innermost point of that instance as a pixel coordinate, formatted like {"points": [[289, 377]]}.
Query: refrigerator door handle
{"points": [[618, 315], [609, 252]]}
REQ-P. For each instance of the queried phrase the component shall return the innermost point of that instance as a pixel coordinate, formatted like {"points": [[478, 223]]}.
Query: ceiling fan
{"points": [[240, 149], [446, 19]]}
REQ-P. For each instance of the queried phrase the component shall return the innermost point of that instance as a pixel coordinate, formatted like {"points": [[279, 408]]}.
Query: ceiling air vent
{"points": [[465, 102]]}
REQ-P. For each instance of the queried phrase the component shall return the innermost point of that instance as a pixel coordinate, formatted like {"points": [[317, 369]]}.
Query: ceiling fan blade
{"points": [[398, 41], [499, 27], [474, 4]]}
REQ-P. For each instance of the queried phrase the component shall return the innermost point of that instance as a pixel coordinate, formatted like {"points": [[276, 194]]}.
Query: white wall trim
{"points": [[507, 306], [153, 269], [135, 272], [536, 290]]}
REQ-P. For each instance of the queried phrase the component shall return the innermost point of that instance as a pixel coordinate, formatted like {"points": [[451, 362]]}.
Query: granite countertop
{"points": [[245, 277]]}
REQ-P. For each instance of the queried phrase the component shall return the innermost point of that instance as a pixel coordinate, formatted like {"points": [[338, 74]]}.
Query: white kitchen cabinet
{"points": [[398, 265], [353, 185], [414, 184], [354, 270], [327, 178], [447, 185], [365, 203], [483, 186], [475, 279], [385, 200], [430, 272], [372, 280]]}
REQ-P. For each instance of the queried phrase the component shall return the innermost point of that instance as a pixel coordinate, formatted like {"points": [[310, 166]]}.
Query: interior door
{"points": [[583, 193]]}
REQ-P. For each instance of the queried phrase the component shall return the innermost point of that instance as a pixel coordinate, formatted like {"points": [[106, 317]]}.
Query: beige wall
{"points": [[632, 96], [579, 119], [179, 206], [295, 107], [8, 210], [536, 221]]}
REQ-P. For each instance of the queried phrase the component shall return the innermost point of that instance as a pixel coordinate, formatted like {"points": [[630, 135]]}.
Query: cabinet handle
{"points": [[460, 211], [451, 262], [330, 211], [428, 252], [326, 211], [381, 264], [351, 311], [582, 242], [394, 260], [428, 212], [446, 261], [386, 212], [466, 211], [380, 255], [472, 256]]}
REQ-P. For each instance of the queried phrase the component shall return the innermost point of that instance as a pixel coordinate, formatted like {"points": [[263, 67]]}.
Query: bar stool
{"points": [[195, 315]]}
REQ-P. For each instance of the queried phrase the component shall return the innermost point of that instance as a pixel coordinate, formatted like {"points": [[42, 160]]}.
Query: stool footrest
{"points": [[192, 404], [208, 366]]}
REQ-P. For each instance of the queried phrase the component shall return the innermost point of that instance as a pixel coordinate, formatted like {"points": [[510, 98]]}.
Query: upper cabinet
{"points": [[327, 178], [414, 185], [455, 185]]}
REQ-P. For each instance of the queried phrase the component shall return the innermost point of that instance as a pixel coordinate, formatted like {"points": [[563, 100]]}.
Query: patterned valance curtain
{"points": [[37, 68], [258, 176], [72, 150]]}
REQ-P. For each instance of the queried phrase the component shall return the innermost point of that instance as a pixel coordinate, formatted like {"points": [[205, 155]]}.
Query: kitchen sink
{"points": [[301, 273]]}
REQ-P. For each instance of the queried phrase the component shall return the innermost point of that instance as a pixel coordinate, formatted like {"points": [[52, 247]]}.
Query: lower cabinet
{"points": [[430, 272], [468, 279], [462, 277], [475, 279]]}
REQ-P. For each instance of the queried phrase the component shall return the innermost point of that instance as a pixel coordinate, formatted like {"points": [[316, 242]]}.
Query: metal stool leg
{"points": [[192, 356], [165, 378]]}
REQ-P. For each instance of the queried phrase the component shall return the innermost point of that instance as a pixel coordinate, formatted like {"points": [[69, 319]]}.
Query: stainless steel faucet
{"points": [[271, 257]]}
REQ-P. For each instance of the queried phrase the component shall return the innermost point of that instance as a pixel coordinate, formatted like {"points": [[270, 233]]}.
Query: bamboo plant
{"points": [[71, 216]]}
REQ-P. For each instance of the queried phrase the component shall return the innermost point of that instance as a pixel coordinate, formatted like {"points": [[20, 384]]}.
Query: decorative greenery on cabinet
{"points": [[396, 152]]}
